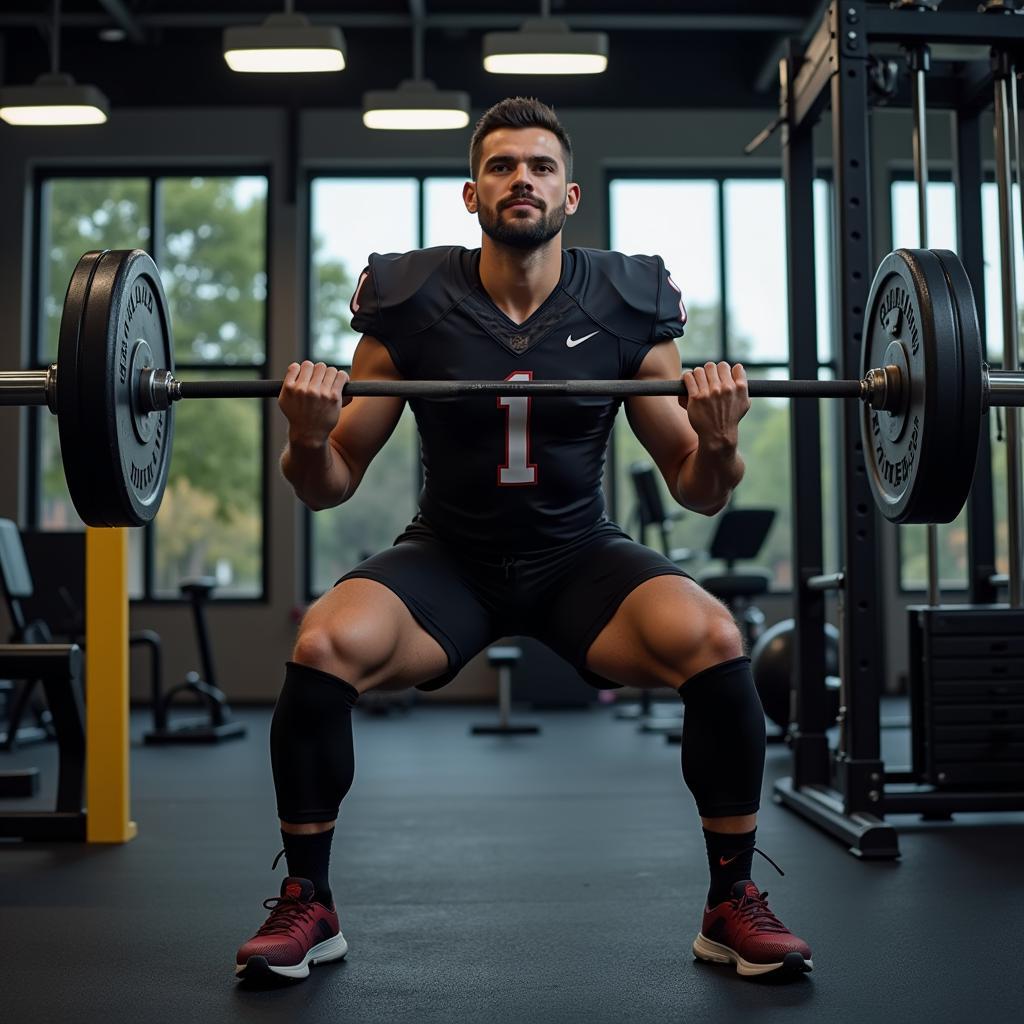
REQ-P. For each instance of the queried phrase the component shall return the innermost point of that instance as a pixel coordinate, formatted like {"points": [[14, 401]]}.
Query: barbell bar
{"points": [[924, 390], [159, 388], [881, 388]]}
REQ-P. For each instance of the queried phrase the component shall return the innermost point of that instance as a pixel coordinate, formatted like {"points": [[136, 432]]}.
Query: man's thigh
{"points": [[422, 574], [664, 631], [588, 593], [364, 633]]}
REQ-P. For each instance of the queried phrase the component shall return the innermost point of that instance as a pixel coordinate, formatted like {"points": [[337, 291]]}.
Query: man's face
{"points": [[520, 194]]}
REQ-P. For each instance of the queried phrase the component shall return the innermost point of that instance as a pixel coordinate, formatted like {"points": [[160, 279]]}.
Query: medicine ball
{"points": [[772, 666]]}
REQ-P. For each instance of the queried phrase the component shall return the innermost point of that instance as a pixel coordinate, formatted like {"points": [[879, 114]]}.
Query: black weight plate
{"points": [[962, 464], [908, 470], [116, 459], [76, 455]]}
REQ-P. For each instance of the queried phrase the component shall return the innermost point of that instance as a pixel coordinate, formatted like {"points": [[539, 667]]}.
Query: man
{"points": [[511, 537]]}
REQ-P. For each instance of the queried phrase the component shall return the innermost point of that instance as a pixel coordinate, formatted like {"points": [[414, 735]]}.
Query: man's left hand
{"points": [[716, 400]]}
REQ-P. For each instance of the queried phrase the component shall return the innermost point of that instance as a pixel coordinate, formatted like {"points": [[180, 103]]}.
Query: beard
{"points": [[521, 232]]}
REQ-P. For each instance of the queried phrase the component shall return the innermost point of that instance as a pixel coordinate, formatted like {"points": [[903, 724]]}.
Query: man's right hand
{"points": [[312, 398]]}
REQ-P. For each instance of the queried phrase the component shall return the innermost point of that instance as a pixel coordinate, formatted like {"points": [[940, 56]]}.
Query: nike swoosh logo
{"points": [[722, 862], [573, 342]]}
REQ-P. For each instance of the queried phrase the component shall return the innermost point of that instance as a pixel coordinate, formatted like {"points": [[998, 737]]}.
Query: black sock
{"points": [[737, 850], [309, 856]]}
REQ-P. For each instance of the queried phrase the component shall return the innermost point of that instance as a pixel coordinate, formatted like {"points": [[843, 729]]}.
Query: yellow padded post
{"points": [[107, 791]]}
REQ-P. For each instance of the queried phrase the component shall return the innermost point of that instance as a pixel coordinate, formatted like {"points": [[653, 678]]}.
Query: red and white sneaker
{"points": [[743, 931], [299, 932]]}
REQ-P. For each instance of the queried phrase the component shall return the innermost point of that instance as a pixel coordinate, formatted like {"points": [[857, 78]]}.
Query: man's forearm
{"points": [[707, 478], [318, 474]]}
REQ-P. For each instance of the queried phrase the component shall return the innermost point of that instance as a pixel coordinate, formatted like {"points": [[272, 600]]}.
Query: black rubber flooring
{"points": [[553, 878]]}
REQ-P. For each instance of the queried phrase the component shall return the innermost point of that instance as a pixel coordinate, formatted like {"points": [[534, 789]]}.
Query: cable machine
{"points": [[967, 671]]}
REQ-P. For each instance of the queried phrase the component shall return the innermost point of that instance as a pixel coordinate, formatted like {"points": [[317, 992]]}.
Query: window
{"points": [[724, 241], [209, 241], [685, 233], [351, 217], [953, 554]]}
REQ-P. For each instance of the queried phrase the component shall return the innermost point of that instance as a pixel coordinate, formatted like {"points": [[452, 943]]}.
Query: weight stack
{"points": [[967, 695]]}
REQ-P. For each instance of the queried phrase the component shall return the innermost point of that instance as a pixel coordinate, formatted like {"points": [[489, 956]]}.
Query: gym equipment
{"points": [[16, 583], [967, 696], [650, 512], [504, 659], [42, 576], [59, 667], [847, 790], [739, 536], [772, 661], [218, 724], [114, 395], [922, 455]]}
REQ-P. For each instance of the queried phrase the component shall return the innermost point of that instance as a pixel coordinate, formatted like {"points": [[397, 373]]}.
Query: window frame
{"points": [[418, 172], [719, 175], [152, 173]]}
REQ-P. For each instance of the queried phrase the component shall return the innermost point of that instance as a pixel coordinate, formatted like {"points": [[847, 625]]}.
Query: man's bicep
{"points": [[367, 422], [660, 422]]}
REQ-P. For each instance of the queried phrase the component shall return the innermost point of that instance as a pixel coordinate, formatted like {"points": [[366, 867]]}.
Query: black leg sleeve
{"points": [[311, 745], [723, 740]]}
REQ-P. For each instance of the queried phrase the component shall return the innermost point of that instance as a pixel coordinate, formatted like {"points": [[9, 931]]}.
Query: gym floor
{"points": [[552, 878]]}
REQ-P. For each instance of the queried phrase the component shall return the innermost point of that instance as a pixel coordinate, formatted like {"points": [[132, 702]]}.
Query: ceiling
{"points": [[696, 53], [663, 53]]}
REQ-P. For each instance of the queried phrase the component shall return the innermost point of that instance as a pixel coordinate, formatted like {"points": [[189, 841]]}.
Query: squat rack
{"points": [[848, 791]]}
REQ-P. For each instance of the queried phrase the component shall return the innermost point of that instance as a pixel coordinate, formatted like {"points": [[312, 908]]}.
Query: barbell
{"points": [[924, 390]]}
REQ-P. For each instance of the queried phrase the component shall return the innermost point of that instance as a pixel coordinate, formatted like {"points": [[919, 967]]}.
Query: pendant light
{"points": [[545, 46], [54, 98], [284, 44], [417, 104]]}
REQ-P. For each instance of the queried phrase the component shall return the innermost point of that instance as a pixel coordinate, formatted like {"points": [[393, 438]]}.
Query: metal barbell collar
{"points": [[29, 387]]}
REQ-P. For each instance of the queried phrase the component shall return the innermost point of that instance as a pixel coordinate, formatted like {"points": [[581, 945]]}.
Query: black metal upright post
{"points": [[1005, 142], [967, 175], [809, 746], [859, 769], [836, 62]]}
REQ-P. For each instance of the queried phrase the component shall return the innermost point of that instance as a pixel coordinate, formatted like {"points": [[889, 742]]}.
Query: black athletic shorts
{"points": [[563, 596]]}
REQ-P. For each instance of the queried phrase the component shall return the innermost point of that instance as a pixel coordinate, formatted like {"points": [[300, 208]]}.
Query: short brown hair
{"points": [[519, 112]]}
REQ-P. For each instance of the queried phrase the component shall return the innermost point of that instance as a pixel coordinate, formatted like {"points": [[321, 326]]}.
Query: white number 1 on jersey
{"points": [[517, 469]]}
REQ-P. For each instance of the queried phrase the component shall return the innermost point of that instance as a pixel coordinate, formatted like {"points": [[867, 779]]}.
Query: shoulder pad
{"points": [[402, 293], [632, 297]]}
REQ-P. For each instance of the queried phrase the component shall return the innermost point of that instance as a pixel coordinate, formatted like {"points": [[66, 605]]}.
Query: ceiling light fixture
{"points": [[545, 46], [53, 99], [285, 44], [417, 104]]}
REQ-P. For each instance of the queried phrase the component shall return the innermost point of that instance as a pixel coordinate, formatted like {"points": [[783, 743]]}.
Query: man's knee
{"points": [[714, 638], [718, 640], [711, 639], [354, 651], [722, 639]]}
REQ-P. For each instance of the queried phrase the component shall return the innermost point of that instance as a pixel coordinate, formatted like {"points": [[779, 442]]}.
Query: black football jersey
{"points": [[516, 473]]}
